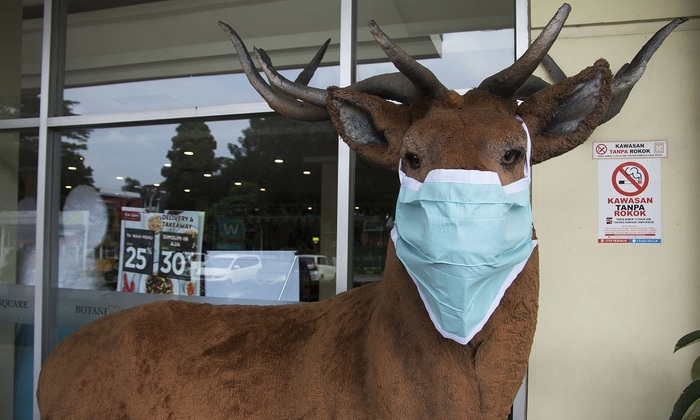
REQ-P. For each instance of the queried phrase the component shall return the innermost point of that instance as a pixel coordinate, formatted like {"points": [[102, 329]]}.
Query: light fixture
{"points": [[309, 208], [357, 207], [72, 168], [263, 189], [187, 190], [237, 183], [156, 185], [207, 175], [167, 165], [68, 187], [120, 178], [306, 172], [279, 160], [188, 153]]}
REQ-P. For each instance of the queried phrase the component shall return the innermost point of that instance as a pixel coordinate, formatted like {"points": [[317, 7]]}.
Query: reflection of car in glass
{"points": [[231, 267], [320, 267]]}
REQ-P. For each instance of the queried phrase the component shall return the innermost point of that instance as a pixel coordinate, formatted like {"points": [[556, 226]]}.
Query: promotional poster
{"points": [[159, 250]]}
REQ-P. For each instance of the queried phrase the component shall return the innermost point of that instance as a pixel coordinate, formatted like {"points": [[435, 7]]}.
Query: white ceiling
{"points": [[108, 42]]}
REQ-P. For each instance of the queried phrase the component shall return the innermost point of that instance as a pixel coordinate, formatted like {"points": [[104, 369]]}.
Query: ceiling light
{"points": [[68, 187], [72, 168], [120, 177], [187, 190], [238, 184], [306, 172], [279, 161], [156, 185], [188, 153], [263, 189], [207, 175], [167, 165]]}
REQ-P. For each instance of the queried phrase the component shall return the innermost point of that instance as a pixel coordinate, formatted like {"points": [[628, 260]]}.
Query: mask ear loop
{"points": [[526, 169]]}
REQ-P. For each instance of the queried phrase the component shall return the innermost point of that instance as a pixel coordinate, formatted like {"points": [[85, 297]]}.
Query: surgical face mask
{"points": [[463, 238]]}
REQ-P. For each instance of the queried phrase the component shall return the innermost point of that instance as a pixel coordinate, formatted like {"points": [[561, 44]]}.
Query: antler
{"points": [[623, 82], [629, 74], [506, 82], [415, 82], [298, 101], [393, 86], [422, 78], [281, 102]]}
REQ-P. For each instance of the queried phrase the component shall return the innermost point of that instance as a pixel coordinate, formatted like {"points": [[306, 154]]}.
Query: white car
{"points": [[321, 267], [231, 267]]}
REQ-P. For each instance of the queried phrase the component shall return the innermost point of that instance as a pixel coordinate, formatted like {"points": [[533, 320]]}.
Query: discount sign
{"points": [[175, 250], [138, 251], [157, 251]]}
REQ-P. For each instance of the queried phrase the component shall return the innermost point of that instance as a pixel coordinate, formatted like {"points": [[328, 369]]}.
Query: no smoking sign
{"points": [[629, 200], [630, 179]]}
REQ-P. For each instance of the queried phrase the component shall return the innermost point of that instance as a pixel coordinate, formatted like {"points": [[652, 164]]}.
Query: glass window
{"points": [[172, 54], [20, 43], [215, 209], [18, 163]]}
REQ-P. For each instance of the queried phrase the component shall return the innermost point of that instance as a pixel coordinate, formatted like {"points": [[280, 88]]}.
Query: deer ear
{"points": [[370, 125], [562, 116]]}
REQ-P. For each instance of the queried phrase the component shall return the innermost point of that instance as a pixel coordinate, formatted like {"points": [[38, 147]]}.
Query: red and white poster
{"points": [[629, 198], [157, 251]]}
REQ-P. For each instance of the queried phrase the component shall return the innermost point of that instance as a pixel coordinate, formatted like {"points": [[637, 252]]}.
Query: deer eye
{"points": [[511, 157], [413, 160]]}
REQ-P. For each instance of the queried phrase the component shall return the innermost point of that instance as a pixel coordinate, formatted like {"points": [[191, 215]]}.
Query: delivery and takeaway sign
{"points": [[157, 251], [629, 191]]}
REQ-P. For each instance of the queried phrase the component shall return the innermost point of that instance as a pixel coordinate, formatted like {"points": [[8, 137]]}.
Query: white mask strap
{"points": [[529, 147]]}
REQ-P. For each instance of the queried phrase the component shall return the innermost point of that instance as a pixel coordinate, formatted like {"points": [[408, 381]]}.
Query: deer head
{"points": [[411, 116]]}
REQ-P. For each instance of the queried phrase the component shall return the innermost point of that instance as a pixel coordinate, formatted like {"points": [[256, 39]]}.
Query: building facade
{"points": [[125, 117]]}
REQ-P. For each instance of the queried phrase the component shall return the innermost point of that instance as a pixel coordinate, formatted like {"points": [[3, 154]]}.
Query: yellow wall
{"points": [[610, 314]]}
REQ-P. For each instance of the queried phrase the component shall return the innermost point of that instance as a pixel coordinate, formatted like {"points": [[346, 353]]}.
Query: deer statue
{"points": [[445, 334]]}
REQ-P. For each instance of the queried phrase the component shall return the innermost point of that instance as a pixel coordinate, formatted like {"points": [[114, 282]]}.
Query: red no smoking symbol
{"points": [[630, 178], [601, 149]]}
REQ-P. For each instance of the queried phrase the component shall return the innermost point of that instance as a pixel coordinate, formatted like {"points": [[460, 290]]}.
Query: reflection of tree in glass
{"points": [[189, 181], [278, 203], [131, 185], [302, 146], [73, 170]]}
